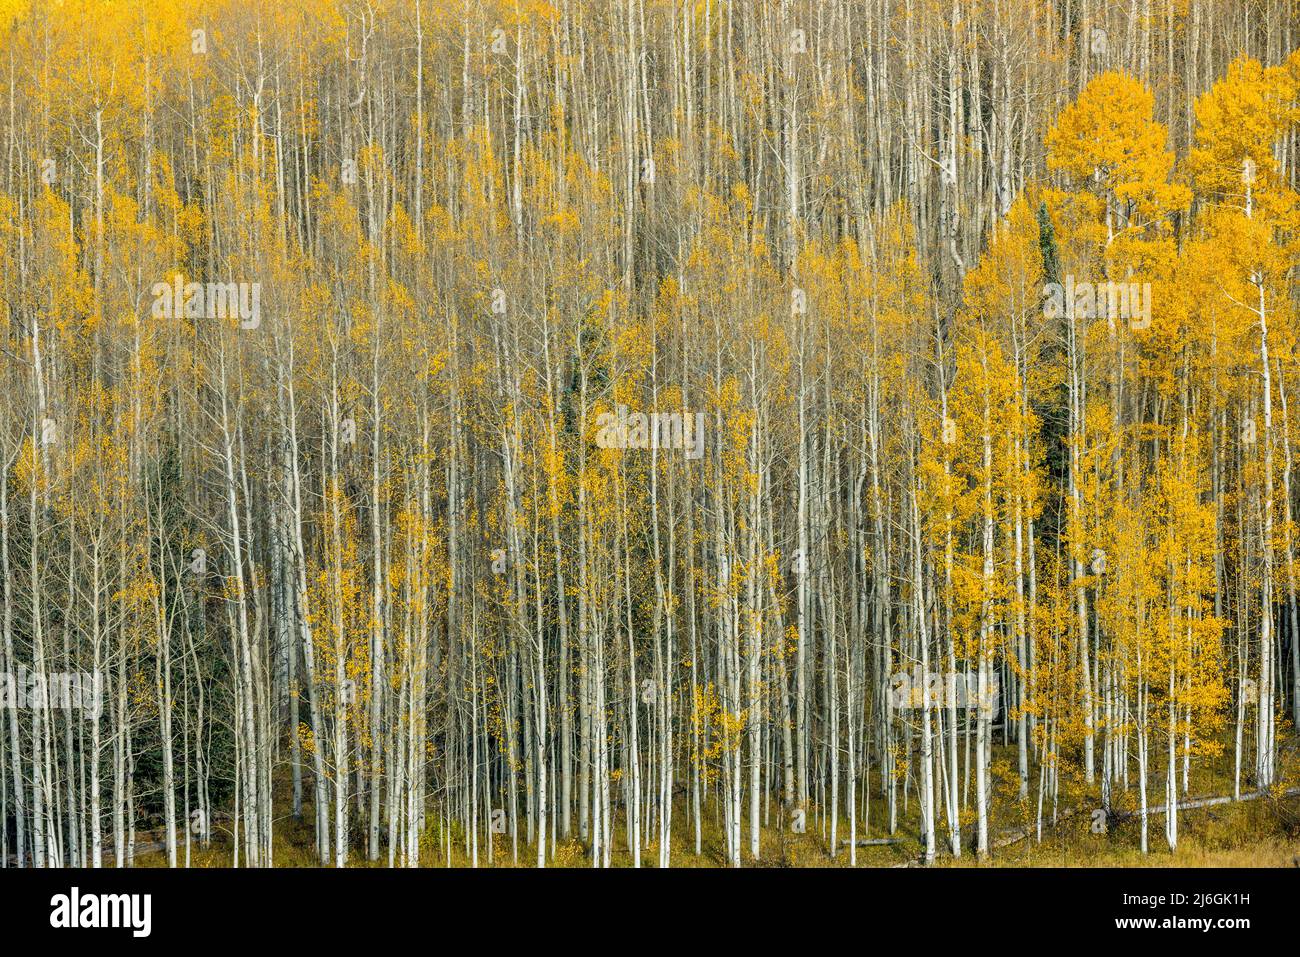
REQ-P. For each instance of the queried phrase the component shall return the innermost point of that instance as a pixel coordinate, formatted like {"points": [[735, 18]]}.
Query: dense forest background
{"points": [[587, 432]]}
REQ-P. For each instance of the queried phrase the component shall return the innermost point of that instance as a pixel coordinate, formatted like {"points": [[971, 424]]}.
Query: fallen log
{"points": [[1194, 803], [1191, 804], [1013, 837]]}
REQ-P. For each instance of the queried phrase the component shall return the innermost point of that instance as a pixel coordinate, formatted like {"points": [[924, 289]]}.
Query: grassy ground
{"points": [[1259, 833], [1216, 837]]}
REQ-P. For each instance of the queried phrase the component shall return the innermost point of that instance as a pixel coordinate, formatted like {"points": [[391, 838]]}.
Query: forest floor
{"points": [[1264, 832]]}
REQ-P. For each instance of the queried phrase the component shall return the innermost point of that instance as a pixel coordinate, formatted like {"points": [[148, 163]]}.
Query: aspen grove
{"points": [[623, 432]]}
